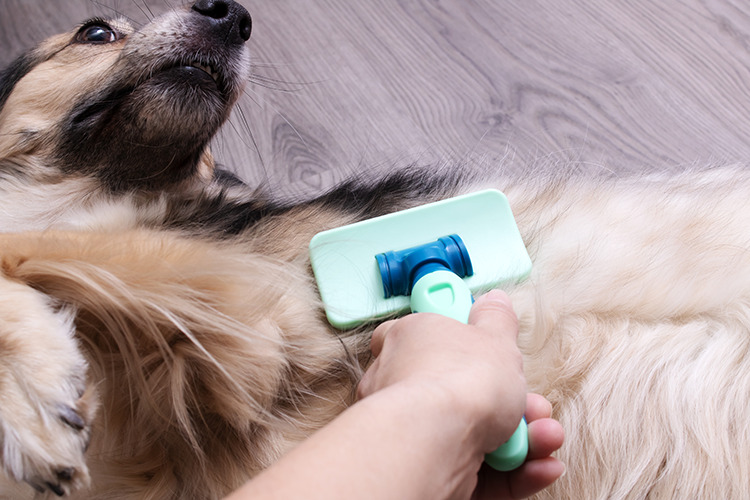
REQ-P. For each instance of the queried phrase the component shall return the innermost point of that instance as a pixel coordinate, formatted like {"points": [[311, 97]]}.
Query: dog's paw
{"points": [[47, 449], [45, 409]]}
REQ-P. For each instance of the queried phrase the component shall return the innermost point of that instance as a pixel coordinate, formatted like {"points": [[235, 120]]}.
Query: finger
{"points": [[494, 312], [534, 476], [378, 337], [537, 407], [365, 386], [545, 437]]}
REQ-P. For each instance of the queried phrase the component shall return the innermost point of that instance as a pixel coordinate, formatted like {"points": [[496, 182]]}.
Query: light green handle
{"points": [[443, 292], [511, 454]]}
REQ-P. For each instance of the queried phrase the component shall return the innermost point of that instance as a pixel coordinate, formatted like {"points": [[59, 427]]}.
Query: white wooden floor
{"points": [[345, 86]]}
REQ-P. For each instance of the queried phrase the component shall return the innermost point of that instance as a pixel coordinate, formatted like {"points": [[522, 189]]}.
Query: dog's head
{"points": [[133, 108]]}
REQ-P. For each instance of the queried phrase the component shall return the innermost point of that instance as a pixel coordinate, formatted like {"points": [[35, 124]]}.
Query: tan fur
{"points": [[204, 359], [40, 101], [209, 339]]}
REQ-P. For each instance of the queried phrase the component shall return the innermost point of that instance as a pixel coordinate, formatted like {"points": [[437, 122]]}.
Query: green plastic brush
{"points": [[425, 259]]}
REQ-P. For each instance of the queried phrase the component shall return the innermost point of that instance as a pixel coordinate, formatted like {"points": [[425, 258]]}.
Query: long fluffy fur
{"points": [[161, 336], [636, 327], [203, 355]]}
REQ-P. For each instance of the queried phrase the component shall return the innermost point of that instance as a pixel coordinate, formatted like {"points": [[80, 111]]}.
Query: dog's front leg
{"points": [[45, 412]]}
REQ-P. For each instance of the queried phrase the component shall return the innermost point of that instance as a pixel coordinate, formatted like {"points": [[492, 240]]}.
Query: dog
{"points": [[161, 335]]}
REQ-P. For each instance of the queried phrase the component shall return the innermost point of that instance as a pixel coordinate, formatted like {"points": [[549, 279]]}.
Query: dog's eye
{"points": [[97, 32]]}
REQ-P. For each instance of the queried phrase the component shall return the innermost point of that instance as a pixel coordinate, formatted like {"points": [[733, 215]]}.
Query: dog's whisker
{"points": [[248, 130], [140, 7], [255, 77], [280, 84], [279, 113], [117, 12], [273, 85], [146, 6]]}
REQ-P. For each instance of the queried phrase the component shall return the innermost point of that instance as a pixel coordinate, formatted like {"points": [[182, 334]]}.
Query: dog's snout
{"points": [[227, 15]]}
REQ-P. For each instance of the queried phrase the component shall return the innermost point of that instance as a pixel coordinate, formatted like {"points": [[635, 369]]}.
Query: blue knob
{"points": [[400, 270]]}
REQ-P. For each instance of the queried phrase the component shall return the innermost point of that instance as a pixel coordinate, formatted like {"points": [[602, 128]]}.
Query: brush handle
{"points": [[443, 292]]}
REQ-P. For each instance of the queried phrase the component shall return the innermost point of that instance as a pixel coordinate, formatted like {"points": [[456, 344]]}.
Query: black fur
{"points": [[371, 200], [218, 215], [237, 207], [115, 138]]}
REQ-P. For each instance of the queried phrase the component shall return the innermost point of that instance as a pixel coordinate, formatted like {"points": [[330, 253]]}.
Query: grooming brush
{"points": [[424, 259]]}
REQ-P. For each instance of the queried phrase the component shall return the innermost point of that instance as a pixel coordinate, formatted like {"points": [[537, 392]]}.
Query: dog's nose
{"points": [[228, 16]]}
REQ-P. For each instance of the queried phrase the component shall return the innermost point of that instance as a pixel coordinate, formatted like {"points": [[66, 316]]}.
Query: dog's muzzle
{"points": [[230, 20]]}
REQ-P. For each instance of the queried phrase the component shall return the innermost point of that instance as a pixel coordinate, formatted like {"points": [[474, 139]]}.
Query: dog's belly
{"points": [[635, 324]]}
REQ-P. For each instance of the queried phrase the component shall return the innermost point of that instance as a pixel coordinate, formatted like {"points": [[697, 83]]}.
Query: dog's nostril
{"points": [[215, 9], [227, 15], [246, 27]]}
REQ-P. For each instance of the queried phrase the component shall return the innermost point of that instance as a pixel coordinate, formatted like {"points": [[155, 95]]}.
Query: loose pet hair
{"points": [[161, 335]]}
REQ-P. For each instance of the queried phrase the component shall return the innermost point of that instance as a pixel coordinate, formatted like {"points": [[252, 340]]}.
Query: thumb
{"points": [[494, 311]]}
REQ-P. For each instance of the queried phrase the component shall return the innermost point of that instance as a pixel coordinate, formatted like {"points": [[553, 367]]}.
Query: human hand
{"points": [[477, 370], [468, 368], [540, 469], [439, 395]]}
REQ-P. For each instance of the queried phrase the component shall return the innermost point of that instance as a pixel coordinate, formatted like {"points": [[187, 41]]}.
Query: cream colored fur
{"points": [[635, 325], [194, 362]]}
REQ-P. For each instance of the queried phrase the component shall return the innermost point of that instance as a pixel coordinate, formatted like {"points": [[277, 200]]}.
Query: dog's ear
{"points": [[11, 75]]}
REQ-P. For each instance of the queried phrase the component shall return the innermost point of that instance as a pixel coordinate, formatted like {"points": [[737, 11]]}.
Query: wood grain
{"points": [[343, 87]]}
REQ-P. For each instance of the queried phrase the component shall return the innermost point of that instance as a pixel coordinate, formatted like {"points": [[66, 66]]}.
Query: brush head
{"points": [[401, 269], [347, 271]]}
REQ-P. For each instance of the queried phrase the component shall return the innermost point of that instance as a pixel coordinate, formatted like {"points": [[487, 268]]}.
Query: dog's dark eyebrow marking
{"points": [[19, 68]]}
